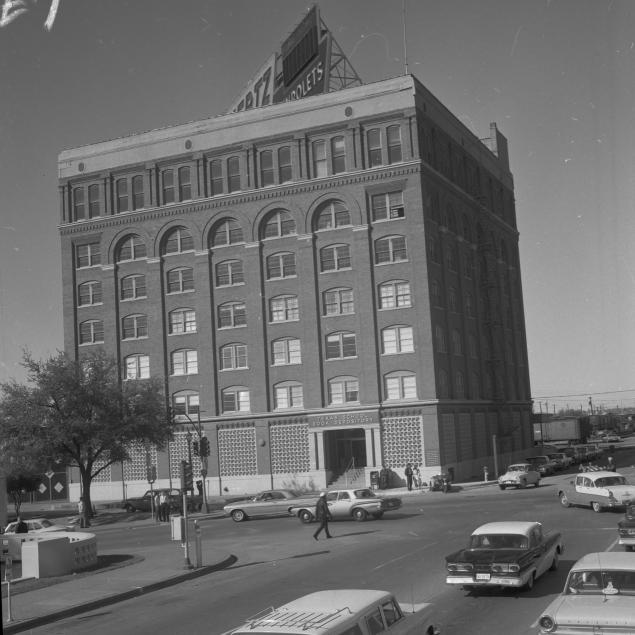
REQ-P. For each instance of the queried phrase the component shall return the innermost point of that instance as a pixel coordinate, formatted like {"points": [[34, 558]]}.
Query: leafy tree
{"points": [[20, 485], [80, 413]]}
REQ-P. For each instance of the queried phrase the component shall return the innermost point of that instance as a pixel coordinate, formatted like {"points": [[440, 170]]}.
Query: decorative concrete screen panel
{"points": [[402, 440], [465, 436], [237, 449], [136, 468], [448, 434], [179, 451], [105, 476], [289, 448]]}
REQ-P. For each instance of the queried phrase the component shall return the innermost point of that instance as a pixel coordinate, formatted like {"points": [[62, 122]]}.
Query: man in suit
{"points": [[323, 514]]}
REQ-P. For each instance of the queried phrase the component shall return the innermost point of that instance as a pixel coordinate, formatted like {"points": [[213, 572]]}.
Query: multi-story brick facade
{"points": [[322, 281]]}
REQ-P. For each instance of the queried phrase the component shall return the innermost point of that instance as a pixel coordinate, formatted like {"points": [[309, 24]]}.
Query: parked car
{"points": [[505, 554], [598, 597], [519, 475], [351, 503], [343, 611], [175, 501], [543, 464], [599, 490], [561, 460], [40, 526], [612, 437], [271, 502], [626, 528]]}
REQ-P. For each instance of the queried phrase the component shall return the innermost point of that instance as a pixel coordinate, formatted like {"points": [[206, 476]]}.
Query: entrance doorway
{"points": [[344, 449]]}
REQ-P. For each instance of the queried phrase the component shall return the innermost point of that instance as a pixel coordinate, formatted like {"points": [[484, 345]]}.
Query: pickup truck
{"points": [[505, 554]]}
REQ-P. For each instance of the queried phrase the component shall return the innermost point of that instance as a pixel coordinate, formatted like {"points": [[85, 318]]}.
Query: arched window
{"points": [[397, 339], [457, 344], [288, 394], [280, 265], [341, 345], [89, 293], [452, 300], [235, 399], [182, 321], [184, 362], [266, 168], [439, 339], [335, 258], [394, 294], [91, 332], [285, 171], [231, 315], [180, 280], [134, 327], [178, 241], [450, 257], [393, 137], [400, 385], [277, 224], [338, 155], [133, 287], [131, 248], [390, 249], [443, 388], [284, 308], [435, 293], [338, 301], [433, 249], [185, 404], [343, 390], [233, 356], [229, 272], [331, 215], [285, 351], [227, 232], [137, 367]]}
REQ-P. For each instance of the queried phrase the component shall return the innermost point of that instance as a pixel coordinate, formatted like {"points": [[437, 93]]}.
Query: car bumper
{"points": [[626, 540], [509, 483], [493, 581]]}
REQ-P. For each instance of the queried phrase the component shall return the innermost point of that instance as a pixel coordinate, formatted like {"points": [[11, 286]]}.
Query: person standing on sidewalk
{"points": [[408, 472], [323, 514], [163, 508]]}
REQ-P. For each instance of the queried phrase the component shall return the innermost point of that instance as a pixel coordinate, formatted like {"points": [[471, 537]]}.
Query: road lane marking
{"points": [[406, 555]]}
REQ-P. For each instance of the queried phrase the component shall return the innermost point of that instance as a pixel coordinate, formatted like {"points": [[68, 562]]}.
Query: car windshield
{"points": [[517, 468], [499, 541], [598, 582], [364, 493], [609, 481]]}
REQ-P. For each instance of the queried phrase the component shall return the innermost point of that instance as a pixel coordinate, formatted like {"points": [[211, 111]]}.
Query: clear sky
{"points": [[557, 76]]}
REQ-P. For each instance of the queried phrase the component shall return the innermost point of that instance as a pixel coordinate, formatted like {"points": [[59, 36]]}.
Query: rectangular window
{"points": [[180, 280], [182, 322], [185, 184], [393, 135], [374, 147], [228, 273], [137, 193], [88, 255], [134, 327], [234, 356], [216, 178], [338, 155], [138, 367], [319, 159], [79, 207], [93, 201], [284, 309], [285, 171], [233, 174], [122, 195], [387, 206], [133, 287], [231, 315], [338, 302], [91, 332], [286, 351], [184, 363], [266, 168], [168, 187], [236, 401]]}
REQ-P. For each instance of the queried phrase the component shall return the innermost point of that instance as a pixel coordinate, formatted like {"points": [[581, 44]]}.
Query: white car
{"points": [[39, 526], [598, 597], [519, 475], [342, 611]]}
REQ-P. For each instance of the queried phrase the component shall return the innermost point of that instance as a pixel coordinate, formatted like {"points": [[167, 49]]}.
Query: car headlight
{"points": [[460, 567], [505, 567], [547, 623]]}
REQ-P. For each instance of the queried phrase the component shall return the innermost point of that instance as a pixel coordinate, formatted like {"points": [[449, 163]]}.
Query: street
{"points": [[404, 553]]}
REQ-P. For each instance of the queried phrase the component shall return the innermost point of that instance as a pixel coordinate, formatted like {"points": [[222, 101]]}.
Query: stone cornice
{"points": [[241, 198]]}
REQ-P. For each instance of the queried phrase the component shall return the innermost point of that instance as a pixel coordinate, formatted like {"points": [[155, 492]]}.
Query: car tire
{"points": [[502, 486], [305, 516], [537, 483], [596, 507], [564, 501], [378, 515], [529, 585], [360, 514], [628, 547], [130, 508], [238, 515], [555, 562], [523, 484]]}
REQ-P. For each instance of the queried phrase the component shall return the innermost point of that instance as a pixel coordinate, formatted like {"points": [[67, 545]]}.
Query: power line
{"points": [[586, 394]]}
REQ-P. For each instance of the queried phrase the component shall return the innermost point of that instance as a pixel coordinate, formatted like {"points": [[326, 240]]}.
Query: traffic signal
{"points": [[187, 480], [204, 446], [195, 448]]}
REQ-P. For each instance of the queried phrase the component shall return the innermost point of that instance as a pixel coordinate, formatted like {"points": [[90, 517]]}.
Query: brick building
{"points": [[325, 283]]}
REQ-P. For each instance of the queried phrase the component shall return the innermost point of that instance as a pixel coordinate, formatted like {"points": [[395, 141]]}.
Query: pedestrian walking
{"points": [[611, 465], [163, 508], [323, 514], [408, 472]]}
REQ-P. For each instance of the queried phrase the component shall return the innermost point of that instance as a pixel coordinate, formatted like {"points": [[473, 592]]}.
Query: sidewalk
{"points": [[153, 568]]}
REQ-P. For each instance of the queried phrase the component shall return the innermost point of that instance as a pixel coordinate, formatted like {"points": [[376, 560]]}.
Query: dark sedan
{"points": [[271, 502]]}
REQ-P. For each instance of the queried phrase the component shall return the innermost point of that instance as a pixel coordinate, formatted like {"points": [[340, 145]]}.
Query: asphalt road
{"points": [[278, 560]]}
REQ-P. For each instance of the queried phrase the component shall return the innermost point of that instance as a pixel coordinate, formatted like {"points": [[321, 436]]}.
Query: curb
{"points": [[35, 622]]}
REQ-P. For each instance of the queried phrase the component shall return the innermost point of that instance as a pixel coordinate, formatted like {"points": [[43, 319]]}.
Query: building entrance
{"points": [[344, 449]]}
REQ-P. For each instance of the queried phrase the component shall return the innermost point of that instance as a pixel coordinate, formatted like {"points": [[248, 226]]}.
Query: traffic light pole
{"points": [[187, 564]]}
